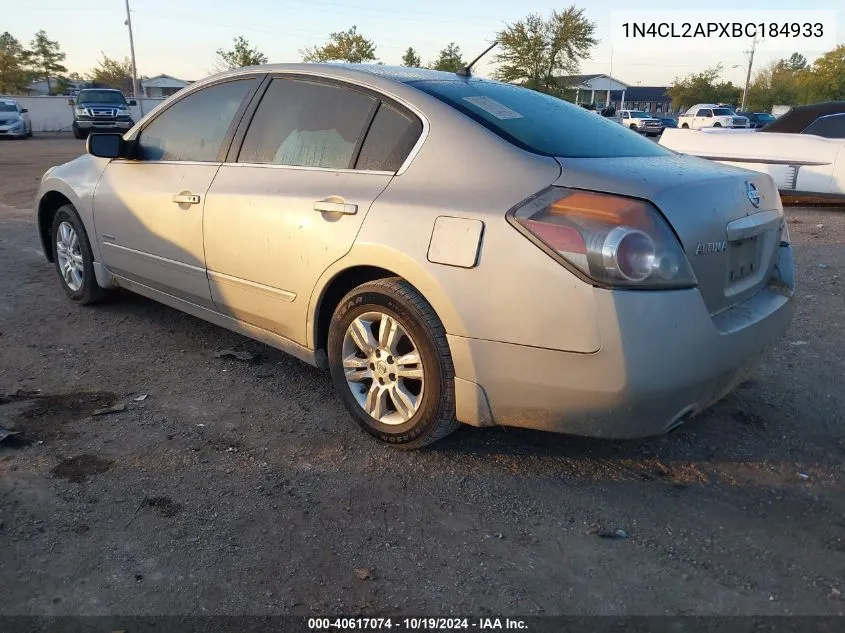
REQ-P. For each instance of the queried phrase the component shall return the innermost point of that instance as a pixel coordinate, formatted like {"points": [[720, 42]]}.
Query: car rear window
{"points": [[538, 122]]}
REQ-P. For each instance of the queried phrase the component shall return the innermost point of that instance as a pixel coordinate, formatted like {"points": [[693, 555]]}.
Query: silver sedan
{"points": [[453, 249]]}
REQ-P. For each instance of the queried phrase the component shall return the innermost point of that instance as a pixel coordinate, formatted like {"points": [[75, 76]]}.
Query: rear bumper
{"points": [[663, 358]]}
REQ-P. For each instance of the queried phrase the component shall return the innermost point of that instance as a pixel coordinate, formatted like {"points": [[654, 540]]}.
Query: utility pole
{"points": [[748, 74], [132, 52]]}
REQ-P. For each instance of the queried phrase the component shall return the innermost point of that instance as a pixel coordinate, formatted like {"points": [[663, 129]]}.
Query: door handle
{"points": [[331, 206], [186, 198]]}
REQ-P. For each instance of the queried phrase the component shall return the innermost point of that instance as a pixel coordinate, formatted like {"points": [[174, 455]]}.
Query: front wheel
{"points": [[717, 125], [73, 257], [633, 127], [390, 364], [79, 134]]}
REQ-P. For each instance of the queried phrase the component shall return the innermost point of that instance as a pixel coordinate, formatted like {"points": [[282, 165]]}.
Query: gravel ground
{"points": [[243, 488]]}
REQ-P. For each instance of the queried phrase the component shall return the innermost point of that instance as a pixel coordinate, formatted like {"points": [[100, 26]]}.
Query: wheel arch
{"points": [[356, 269], [49, 203]]}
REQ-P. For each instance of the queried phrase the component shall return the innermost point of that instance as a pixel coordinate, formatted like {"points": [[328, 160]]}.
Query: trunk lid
{"points": [[730, 243]]}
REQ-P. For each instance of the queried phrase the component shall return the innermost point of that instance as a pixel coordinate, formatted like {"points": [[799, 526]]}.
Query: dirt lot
{"points": [[243, 488]]}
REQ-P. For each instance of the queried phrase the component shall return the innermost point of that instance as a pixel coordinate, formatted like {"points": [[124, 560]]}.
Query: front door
{"points": [[295, 199], [148, 210]]}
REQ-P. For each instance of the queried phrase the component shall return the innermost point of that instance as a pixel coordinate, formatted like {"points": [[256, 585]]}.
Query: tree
{"points": [[343, 46], [703, 87], [825, 80], [241, 54], [534, 49], [46, 57], [450, 59], [796, 61], [13, 62], [410, 58], [113, 73]]}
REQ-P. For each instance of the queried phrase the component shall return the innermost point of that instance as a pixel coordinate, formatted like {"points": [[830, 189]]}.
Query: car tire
{"points": [[684, 126], [633, 127], [76, 253], [717, 125], [78, 134], [425, 411]]}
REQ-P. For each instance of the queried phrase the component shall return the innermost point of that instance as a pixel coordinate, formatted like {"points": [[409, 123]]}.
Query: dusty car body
{"points": [[453, 249]]}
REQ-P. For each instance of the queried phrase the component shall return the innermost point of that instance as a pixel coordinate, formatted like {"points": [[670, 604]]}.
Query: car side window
{"points": [[832, 126], [308, 124], [703, 112], [193, 128], [625, 115], [390, 139]]}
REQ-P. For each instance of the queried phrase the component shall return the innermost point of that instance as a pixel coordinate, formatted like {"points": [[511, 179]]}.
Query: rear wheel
{"points": [[73, 258], [717, 125], [685, 126], [391, 366]]}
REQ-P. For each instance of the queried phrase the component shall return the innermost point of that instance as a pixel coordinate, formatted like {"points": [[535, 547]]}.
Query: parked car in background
{"points": [[100, 110], [669, 122], [639, 121], [803, 150], [757, 120], [705, 115], [453, 249], [14, 120]]}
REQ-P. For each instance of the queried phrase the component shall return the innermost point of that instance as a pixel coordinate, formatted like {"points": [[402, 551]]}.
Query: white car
{"points": [[703, 115], [804, 160], [14, 120]]}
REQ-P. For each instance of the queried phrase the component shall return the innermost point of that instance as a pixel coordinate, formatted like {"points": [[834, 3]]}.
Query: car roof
{"points": [[799, 117]]}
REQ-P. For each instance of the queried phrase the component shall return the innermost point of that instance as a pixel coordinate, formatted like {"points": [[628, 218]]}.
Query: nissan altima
{"points": [[452, 249]]}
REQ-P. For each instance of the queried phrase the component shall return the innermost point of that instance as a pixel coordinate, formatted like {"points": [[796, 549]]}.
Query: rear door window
{"points": [[391, 138], [307, 124], [832, 126], [538, 122]]}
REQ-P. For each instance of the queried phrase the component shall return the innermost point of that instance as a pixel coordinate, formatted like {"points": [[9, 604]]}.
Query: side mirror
{"points": [[133, 102], [71, 102], [106, 145], [24, 110]]}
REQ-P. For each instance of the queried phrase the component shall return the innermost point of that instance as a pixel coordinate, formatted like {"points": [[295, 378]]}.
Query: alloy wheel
{"points": [[69, 253], [383, 368]]}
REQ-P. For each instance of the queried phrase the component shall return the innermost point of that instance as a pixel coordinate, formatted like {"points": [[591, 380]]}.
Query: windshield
{"points": [[765, 118], [8, 107], [100, 96], [640, 115], [538, 122], [723, 112]]}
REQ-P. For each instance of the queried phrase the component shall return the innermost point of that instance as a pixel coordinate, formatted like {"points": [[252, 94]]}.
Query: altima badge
{"points": [[708, 248]]}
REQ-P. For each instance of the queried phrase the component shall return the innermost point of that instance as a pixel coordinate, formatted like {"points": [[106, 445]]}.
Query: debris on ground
{"points": [[141, 398], [4, 433], [364, 573], [117, 408], [798, 343], [235, 353], [804, 476], [823, 266], [617, 535]]}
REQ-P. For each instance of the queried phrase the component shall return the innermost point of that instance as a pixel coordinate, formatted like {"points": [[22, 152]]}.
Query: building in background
{"points": [[58, 85], [593, 89], [162, 86]]}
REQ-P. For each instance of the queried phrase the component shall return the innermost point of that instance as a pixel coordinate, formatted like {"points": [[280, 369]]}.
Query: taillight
{"points": [[612, 240]]}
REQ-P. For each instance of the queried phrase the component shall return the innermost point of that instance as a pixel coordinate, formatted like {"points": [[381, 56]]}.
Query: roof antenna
{"points": [[466, 71]]}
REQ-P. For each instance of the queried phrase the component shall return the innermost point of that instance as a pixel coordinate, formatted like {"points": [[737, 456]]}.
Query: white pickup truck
{"points": [[710, 115], [639, 121]]}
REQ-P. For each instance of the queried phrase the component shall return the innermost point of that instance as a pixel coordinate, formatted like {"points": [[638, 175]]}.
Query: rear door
{"points": [[291, 200], [148, 211], [703, 118]]}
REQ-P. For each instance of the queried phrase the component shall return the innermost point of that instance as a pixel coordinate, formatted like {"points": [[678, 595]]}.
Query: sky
{"points": [[180, 37]]}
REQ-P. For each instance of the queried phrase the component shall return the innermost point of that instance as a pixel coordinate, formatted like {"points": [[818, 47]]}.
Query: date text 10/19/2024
{"points": [[417, 624]]}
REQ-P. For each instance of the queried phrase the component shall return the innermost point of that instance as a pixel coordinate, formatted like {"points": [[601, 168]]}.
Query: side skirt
{"points": [[269, 338]]}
